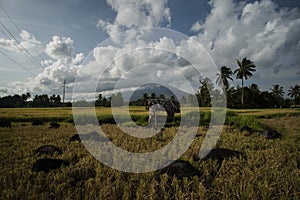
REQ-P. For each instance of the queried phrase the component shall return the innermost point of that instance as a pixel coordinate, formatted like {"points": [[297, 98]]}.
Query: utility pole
{"points": [[64, 92]]}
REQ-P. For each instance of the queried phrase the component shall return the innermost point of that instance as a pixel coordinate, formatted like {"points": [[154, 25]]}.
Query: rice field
{"points": [[269, 171]]}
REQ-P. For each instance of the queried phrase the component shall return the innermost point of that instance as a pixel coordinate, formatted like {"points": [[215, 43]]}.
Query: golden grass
{"points": [[269, 172], [60, 114], [268, 111], [31, 113]]}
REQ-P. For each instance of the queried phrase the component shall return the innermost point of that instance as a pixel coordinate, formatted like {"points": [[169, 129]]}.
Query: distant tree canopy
{"points": [[294, 92], [102, 101], [253, 98], [117, 100], [18, 101]]}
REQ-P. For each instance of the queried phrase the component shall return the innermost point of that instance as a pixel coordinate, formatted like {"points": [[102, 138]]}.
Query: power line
{"points": [[16, 62], [10, 18], [12, 58], [4, 34], [15, 25], [26, 51], [18, 28]]}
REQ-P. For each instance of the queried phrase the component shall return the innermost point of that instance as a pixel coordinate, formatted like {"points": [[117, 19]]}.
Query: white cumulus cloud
{"points": [[59, 47], [261, 31], [62, 66], [27, 42], [136, 14], [196, 27]]}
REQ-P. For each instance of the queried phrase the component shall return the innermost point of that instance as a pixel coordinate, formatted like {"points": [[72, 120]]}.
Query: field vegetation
{"points": [[269, 171]]}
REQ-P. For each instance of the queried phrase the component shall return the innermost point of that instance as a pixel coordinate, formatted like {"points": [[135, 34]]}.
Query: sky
{"points": [[45, 42]]}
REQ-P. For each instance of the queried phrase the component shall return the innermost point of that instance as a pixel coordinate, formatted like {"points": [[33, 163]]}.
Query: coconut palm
{"points": [[277, 91], [294, 92], [224, 76], [246, 67]]}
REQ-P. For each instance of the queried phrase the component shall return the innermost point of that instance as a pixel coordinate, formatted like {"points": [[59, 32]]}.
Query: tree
{"points": [[294, 92], [192, 100], [183, 100], [266, 99], [55, 100], [246, 67], [224, 76], [99, 101], [145, 97], [277, 92], [162, 96], [41, 100], [254, 96], [117, 100], [153, 96], [205, 89]]}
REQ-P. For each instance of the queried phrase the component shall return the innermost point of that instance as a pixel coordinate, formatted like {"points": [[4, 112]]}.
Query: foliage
{"points": [[15, 101], [224, 76], [294, 92], [204, 94], [253, 98], [102, 101], [117, 100]]}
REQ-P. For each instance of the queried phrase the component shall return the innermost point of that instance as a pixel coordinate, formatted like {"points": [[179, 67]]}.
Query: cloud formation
{"points": [[27, 41], [261, 31], [62, 66], [50, 79], [135, 14], [3, 90], [196, 26], [59, 47]]}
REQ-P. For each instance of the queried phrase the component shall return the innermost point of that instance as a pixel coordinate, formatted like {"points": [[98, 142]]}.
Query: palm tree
{"points": [[294, 92], [153, 95], [145, 97], [277, 91], [254, 94], [224, 76], [244, 71]]}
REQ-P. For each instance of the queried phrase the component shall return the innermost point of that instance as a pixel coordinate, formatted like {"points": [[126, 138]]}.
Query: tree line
{"points": [[25, 100], [245, 96], [40, 101], [237, 97]]}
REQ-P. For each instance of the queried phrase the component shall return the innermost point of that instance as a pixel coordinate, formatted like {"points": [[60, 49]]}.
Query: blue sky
{"points": [[63, 32]]}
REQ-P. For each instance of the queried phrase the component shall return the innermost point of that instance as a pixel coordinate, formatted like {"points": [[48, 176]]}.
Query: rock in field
{"points": [[5, 123], [221, 154], [48, 164], [271, 134], [54, 125], [94, 136], [246, 129], [180, 169], [37, 123], [48, 149]]}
